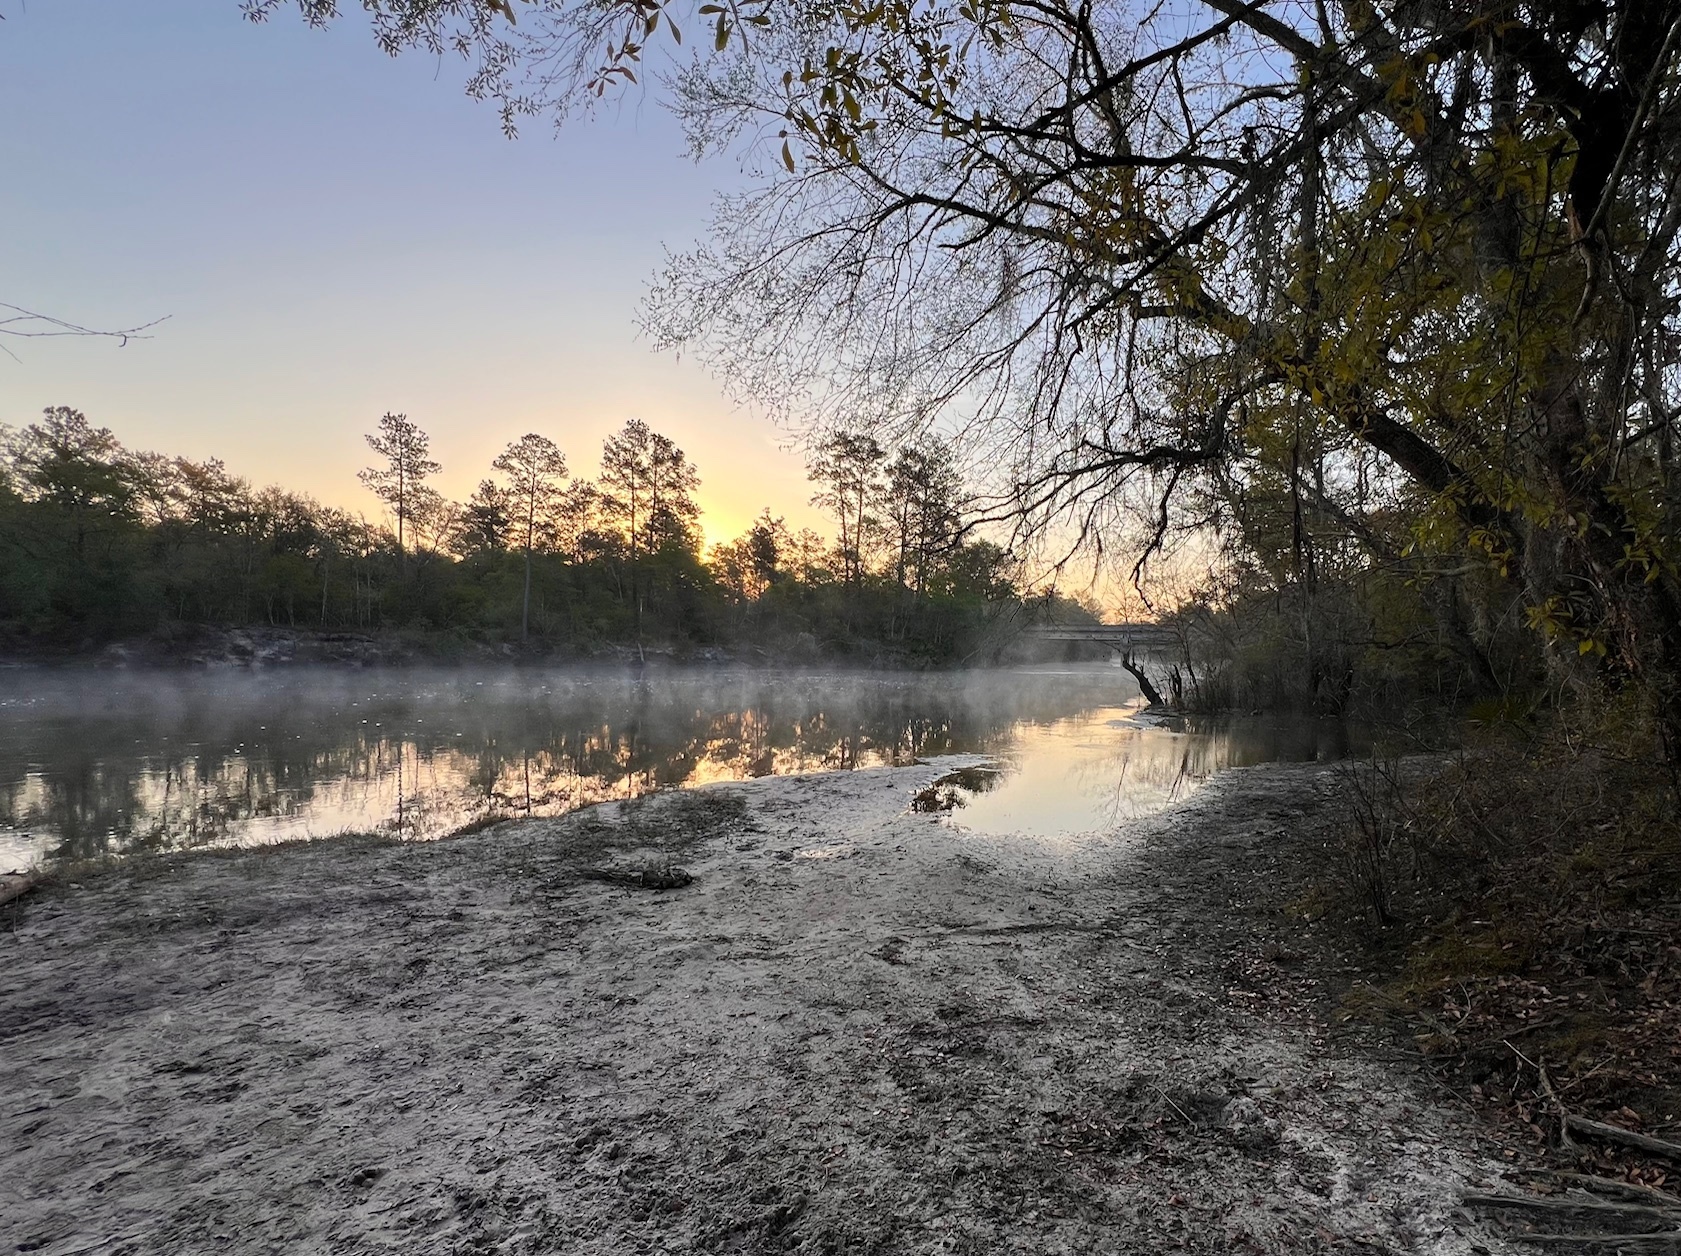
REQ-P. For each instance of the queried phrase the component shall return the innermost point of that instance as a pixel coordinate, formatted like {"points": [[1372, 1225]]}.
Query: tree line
{"points": [[101, 542]]}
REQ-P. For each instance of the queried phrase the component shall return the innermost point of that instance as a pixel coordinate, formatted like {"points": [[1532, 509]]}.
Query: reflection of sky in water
{"points": [[92, 763], [1090, 772]]}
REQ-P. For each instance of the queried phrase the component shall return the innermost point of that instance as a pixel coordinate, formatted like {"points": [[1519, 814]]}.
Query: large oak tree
{"points": [[1405, 259]]}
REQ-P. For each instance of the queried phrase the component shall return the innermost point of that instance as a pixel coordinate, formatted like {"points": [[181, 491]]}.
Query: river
{"points": [[95, 763]]}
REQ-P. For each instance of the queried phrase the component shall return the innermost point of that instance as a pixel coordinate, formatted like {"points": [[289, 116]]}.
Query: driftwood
{"points": [[1650, 1226], [652, 877], [1624, 1244], [15, 885], [1632, 1191], [1628, 1138], [1568, 1121], [1581, 1206]]}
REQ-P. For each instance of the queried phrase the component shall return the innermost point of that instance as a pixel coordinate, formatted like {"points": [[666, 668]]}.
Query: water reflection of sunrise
{"points": [[92, 764], [1089, 773]]}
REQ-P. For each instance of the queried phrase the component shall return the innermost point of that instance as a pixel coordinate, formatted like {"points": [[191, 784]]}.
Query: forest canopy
{"points": [[99, 542]]}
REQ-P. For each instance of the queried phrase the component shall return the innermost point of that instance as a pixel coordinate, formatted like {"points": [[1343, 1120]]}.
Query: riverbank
{"points": [[188, 646], [855, 1030], [201, 646]]}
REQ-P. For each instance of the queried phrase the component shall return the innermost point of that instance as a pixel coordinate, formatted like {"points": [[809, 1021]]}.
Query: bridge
{"points": [[1125, 638]]}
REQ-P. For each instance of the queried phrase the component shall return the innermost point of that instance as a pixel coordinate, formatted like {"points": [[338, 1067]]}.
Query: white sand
{"points": [[857, 1031]]}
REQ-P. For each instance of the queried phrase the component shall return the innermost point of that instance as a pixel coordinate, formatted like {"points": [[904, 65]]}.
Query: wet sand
{"points": [[857, 1030]]}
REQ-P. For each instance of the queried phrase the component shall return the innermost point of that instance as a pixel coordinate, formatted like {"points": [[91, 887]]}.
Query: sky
{"points": [[333, 234]]}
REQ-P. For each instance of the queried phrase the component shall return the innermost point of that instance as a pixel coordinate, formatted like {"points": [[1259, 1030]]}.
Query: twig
{"points": [[1532, 1027], [1564, 1138], [29, 325], [1173, 1105]]}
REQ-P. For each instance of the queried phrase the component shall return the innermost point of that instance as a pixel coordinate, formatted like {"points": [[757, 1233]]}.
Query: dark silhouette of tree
{"points": [[486, 520], [74, 468], [846, 464], [766, 543], [752, 563], [918, 502], [399, 482], [647, 493], [577, 519], [535, 468]]}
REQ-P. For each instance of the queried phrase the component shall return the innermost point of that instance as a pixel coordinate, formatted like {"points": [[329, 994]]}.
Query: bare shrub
{"points": [[1379, 828], [1529, 896]]}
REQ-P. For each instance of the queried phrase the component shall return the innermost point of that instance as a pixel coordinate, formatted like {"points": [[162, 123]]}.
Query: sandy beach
{"points": [[857, 1030]]}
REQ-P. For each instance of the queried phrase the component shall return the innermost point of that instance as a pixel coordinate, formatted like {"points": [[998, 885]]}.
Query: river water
{"points": [[95, 763]]}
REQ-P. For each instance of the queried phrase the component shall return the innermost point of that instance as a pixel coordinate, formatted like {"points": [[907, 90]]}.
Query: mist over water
{"points": [[95, 763]]}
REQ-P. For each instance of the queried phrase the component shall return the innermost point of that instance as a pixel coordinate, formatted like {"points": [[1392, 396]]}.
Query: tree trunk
{"points": [[1151, 695], [402, 554], [525, 608], [530, 528]]}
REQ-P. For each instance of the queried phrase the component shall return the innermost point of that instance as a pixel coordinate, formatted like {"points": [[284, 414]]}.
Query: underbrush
{"points": [[1524, 903]]}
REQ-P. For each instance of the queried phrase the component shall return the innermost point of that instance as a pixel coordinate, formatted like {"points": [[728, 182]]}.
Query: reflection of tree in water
{"points": [[1145, 772], [1147, 768], [82, 803], [182, 761]]}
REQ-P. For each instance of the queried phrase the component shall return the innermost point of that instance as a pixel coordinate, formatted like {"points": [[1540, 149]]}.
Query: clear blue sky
{"points": [[335, 234]]}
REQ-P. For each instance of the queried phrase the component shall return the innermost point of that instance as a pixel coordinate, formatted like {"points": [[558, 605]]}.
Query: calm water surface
{"points": [[94, 763], [1091, 772]]}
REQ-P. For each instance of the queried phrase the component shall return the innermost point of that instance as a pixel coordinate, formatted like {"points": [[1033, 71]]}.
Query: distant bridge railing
{"points": [[1124, 637]]}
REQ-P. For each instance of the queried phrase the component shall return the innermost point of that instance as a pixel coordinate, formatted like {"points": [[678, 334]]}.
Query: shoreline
{"points": [[201, 649], [857, 1029], [197, 647]]}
